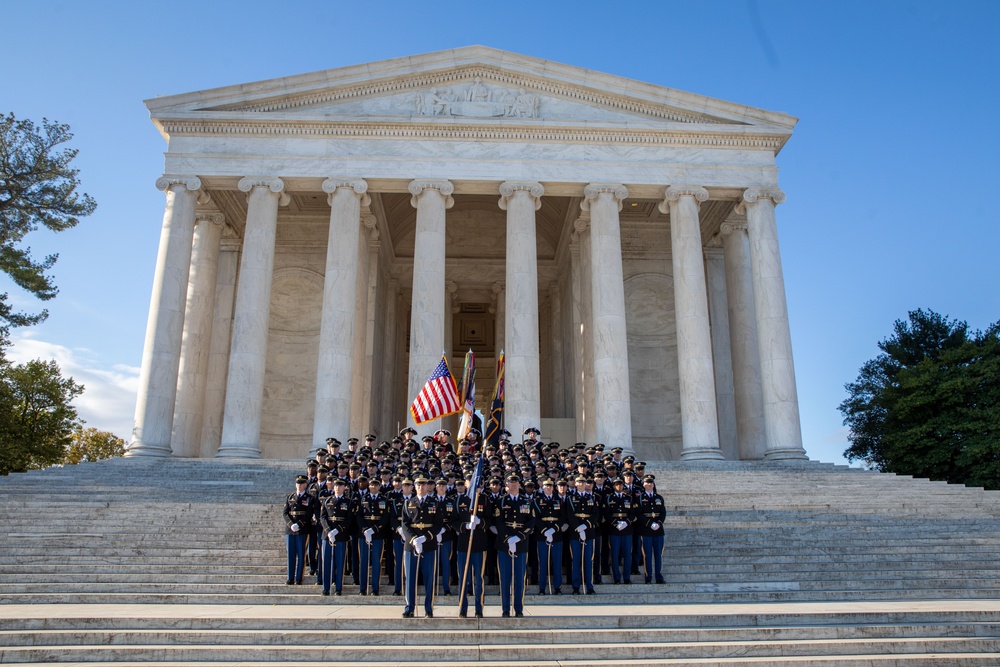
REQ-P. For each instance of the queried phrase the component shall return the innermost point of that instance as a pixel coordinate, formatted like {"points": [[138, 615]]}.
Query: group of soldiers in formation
{"points": [[543, 509]]}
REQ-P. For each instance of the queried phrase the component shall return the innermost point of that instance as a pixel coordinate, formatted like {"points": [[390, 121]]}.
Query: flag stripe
{"points": [[439, 396]]}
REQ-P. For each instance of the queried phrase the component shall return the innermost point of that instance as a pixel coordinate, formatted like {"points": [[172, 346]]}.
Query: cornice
{"points": [[475, 132]]}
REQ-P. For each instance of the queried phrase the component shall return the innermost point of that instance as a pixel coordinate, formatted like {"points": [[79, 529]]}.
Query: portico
{"points": [[326, 236]]}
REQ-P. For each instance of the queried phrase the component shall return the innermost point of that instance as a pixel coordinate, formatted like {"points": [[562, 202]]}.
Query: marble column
{"points": [[722, 360], [369, 403], [457, 365], [582, 227], [193, 370], [334, 368], [154, 407], [558, 382], [431, 198], [386, 419], [218, 364], [248, 352], [500, 317], [783, 432], [743, 341], [611, 382], [699, 416], [577, 338], [522, 404]]}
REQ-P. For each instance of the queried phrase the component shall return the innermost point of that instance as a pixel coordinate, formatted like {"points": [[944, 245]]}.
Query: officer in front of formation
{"points": [[373, 524], [651, 513], [337, 516], [421, 521], [300, 512], [515, 522], [553, 520]]}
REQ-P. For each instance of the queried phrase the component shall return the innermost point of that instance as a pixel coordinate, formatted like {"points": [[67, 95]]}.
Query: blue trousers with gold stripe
{"points": [[512, 574], [428, 567], [474, 579]]}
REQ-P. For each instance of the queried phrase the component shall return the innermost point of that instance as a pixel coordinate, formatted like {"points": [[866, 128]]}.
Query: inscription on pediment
{"points": [[477, 100]]}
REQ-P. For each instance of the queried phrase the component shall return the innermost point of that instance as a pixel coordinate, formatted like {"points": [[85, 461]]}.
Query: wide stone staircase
{"points": [[181, 562]]}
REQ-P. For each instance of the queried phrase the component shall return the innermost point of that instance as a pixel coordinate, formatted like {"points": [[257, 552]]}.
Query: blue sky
{"points": [[890, 174]]}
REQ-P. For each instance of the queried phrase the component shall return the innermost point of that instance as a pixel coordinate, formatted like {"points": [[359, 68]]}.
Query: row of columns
{"points": [[766, 401]]}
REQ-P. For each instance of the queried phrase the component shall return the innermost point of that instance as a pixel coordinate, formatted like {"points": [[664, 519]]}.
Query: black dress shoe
{"points": [[338, 593], [479, 614], [576, 591], [541, 592], [407, 614], [463, 614], [591, 591], [519, 614], [447, 594], [660, 581], [506, 614], [428, 614], [628, 581], [363, 592], [326, 591], [374, 593], [319, 583], [312, 573], [397, 593], [298, 582], [289, 582], [617, 582]]}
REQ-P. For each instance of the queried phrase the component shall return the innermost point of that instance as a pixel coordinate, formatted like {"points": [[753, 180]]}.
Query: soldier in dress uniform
{"points": [[652, 511], [421, 522], [493, 496], [471, 550], [552, 521], [337, 516], [300, 514], [585, 516], [373, 523], [620, 514], [515, 521], [446, 538], [398, 499]]}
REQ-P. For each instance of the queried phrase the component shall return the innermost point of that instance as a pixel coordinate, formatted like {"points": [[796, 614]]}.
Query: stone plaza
{"points": [[327, 236]]}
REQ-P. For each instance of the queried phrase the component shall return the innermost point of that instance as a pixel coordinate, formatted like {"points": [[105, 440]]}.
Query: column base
{"points": [[706, 454], [237, 452], [137, 449], [790, 454]]}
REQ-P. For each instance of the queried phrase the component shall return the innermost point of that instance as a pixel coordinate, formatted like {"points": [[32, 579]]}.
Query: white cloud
{"points": [[108, 400]]}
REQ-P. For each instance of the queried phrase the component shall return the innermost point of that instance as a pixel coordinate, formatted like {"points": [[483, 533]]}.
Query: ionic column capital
{"points": [[215, 217], [275, 185], [164, 183], [675, 192], [728, 228], [371, 224], [359, 185], [534, 189], [451, 287], [751, 195], [446, 188], [594, 190], [580, 225], [496, 289]]}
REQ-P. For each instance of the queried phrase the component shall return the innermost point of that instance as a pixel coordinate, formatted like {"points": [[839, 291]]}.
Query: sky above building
{"points": [[888, 174]]}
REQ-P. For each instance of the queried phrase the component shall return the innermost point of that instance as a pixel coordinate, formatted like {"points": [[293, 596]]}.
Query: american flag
{"points": [[438, 398]]}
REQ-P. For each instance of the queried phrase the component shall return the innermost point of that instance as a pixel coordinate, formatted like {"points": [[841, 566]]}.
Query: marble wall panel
{"points": [[292, 349], [652, 357]]}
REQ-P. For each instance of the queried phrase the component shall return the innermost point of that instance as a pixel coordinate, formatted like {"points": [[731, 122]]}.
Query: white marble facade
{"points": [[340, 229]]}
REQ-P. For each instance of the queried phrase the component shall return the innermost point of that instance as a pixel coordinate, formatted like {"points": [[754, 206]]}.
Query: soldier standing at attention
{"points": [[515, 521], [337, 515], [300, 516], [421, 522], [620, 512], [585, 516], [471, 550], [552, 521], [373, 522], [652, 512], [446, 538]]}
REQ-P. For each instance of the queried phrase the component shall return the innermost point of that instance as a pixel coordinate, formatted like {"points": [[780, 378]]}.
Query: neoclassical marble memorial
{"points": [[326, 236]]}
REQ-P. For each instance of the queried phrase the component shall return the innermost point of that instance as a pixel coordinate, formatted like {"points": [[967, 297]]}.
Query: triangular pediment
{"points": [[471, 85]]}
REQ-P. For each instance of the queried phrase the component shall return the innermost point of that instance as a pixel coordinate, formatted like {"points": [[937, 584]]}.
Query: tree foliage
{"points": [[929, 405], [93, 445], [36, 415], [38, 187]]}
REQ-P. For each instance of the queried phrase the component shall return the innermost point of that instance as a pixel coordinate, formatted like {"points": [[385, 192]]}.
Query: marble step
{"points": [[359, 653]]}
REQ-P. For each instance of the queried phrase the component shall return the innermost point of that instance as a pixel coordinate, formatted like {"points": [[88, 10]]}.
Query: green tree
{"points": [[36, 415], [929, 405], [38, 187], [93, 445]]}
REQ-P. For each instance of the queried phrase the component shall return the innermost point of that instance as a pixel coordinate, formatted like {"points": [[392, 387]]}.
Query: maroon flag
{"points": [[438, 398]]}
